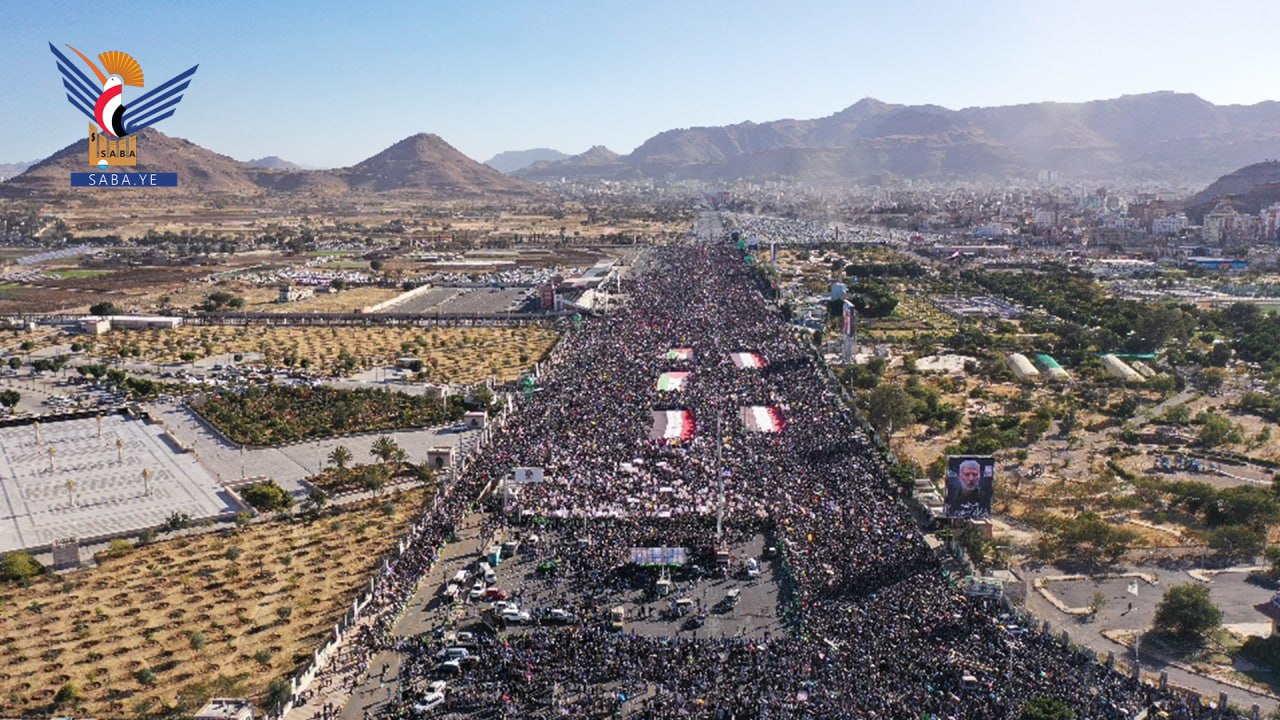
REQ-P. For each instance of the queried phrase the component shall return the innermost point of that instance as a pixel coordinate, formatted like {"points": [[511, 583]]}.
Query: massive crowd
{"points": [[877, 628]]}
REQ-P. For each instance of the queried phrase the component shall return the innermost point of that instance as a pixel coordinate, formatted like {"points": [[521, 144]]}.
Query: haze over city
{"points": [[703, 360], [328, 84]]}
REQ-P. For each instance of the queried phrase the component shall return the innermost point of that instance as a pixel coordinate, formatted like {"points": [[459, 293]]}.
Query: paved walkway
{"points": [[375, 687], [1123, 612], [290, 463]]}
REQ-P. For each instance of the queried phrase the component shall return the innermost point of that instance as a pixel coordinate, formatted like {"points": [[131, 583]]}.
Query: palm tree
{"points": [[339, 457], [386, 449]]}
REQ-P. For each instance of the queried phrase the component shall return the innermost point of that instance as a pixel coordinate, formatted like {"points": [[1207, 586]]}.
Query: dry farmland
{"points": [[169, 623], [459, 355]]}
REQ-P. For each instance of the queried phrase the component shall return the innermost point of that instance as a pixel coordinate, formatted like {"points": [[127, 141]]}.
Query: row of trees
{"points": [[274, 414]]}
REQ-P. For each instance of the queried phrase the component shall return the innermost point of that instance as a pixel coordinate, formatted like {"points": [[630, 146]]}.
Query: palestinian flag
{"points": [[759, 418], [679, 354], [747, 360], [671, 425], [670, 381]]}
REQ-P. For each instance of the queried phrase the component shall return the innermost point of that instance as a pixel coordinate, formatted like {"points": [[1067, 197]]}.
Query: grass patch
{"points": [[73, 274]]}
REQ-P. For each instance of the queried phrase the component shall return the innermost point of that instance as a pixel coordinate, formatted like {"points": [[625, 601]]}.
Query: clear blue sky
{"points": [[329, 83]]}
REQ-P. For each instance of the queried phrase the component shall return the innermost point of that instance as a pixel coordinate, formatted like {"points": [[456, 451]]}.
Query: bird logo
{"points": [[103, 103]]}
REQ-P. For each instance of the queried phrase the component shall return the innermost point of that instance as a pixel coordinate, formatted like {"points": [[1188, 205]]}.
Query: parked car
{"points": [[430, 701], [558, 616], [513, 616]]}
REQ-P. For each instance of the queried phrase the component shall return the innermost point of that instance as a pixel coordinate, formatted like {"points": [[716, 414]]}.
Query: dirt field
{"points": [[456, 354], [201, 614]]}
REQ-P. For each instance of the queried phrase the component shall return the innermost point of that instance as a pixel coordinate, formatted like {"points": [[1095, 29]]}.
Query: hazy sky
{"points": [[328, 84]]}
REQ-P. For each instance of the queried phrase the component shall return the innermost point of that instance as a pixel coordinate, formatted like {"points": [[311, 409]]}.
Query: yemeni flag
{"points": [[671, 381], [679, 354], [747, 360], [671, 425], [760, 418]]}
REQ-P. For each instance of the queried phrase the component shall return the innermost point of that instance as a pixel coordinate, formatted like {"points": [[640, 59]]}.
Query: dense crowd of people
{"points": [[877, 628]]}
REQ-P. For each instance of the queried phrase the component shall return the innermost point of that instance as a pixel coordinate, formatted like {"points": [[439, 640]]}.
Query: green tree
{"points": [[339, 457], [9, 398], [15, 363], [1046, 708], [267, 497], [1216, 430], [889, 407], [374, 477], [1187, 610], [1236, 543], [1243, 505], [104, 308], [387, 450], [278, 693], [19, 565]]}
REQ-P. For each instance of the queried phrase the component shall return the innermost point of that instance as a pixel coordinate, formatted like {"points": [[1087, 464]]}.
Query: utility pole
{"points": [[719, 478]]}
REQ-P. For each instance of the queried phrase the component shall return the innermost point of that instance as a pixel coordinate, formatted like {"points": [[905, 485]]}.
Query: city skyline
{"points": [[330, 88]]}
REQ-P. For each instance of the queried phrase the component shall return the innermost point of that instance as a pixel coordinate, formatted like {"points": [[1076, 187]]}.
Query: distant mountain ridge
{"points": [[8, 170], [513, 160], [423, 164], [1157, 136], [597, 163], [273, 162]]}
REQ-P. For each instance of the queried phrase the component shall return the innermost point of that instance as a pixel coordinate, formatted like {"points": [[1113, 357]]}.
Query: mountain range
{"points": [[513, 160], [1164, 136], [8, 170], [422, 164]]}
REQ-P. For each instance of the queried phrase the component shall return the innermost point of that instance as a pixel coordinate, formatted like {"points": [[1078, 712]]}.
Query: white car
{"points": [[559, 616], [515, 616], [753, 568], [477, 591], [430, 701], [453, 653]]}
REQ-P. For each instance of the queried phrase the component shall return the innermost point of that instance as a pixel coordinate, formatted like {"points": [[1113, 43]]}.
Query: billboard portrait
{"points": [[970, 481]]}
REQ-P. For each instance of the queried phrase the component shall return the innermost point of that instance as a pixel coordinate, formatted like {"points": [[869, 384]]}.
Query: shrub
{"points": [[67, 694], [19, 566], [267, 497]]}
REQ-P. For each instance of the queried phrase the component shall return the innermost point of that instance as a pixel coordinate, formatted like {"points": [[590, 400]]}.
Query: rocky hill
{"points": [[426, 162], [423, 164], [1248, 189]]}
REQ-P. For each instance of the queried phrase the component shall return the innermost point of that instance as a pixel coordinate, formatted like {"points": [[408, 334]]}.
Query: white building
{"points": [[1169, 224]]}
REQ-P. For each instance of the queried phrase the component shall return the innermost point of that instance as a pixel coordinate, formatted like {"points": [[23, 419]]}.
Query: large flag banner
{"points": [[759, 418], [679, 354], [747, 360], [670, 381], [671, 425]]}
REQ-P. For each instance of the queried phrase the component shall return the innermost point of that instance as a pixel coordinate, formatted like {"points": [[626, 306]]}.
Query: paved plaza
{"points": [[64, 478]]}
